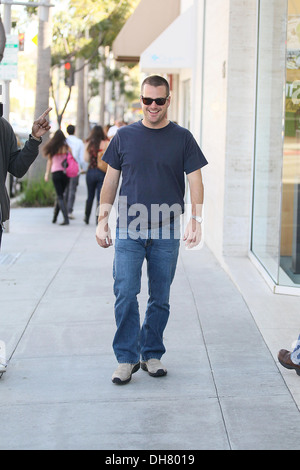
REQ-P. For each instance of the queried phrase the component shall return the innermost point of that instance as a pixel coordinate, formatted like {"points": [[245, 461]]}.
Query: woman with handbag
{"points": [[95, 146], [58, 152]]}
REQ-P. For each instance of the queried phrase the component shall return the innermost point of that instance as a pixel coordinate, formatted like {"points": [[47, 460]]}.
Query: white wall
{"points": [[185, 4], [240, 126], [214, 119], [228, 123]]}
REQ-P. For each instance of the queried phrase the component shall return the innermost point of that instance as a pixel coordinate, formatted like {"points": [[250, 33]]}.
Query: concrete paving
{"points": [[224, 389]]}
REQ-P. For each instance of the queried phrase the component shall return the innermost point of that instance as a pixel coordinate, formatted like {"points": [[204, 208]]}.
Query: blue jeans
{"points": [[132, 341], [94, 181]]}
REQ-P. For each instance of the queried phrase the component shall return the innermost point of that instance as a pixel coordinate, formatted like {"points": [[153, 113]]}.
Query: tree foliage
{"points": [[86, 25], [80, 30]]}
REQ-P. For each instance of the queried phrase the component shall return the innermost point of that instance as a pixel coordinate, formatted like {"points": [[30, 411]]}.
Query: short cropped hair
{"points": [[156, 80], [71, 129]]}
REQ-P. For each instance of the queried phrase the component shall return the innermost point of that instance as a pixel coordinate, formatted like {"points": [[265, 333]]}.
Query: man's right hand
{"points": [[103, 235]]}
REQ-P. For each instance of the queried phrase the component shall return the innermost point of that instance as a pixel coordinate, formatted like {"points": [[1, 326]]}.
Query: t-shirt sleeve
{"points": [[112, 153], [194, 158]]}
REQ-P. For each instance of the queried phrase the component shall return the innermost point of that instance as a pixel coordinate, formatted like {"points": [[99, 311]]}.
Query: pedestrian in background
{"points": [[56, 151], [153, 156], [291, 360], [77, 147], [94, 176], [16, 161], [114, 129]]}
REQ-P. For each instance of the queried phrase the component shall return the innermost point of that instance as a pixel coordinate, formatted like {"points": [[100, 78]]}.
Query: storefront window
{"points": [[276, 194], [289, 274]]}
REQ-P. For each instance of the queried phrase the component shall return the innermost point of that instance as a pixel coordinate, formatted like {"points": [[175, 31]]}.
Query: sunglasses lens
{"points": [[158, 101], [147, 101]]}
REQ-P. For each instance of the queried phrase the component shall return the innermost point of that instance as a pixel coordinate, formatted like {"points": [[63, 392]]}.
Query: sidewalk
{"points": [[224, 388]]}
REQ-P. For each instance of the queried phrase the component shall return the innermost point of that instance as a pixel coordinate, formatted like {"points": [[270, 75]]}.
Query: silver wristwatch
{"points": [[197, 218]]}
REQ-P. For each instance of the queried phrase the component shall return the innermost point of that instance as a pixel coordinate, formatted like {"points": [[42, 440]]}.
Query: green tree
{"points": [[79, 32]]}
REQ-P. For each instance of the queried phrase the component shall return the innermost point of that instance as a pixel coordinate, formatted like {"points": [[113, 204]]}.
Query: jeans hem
{"points": [[153, 356], [125, 361]]}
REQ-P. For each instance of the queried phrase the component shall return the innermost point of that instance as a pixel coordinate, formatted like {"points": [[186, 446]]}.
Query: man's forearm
{"points": [[21, 160], [108, 195], [193, 232], [196, 193], [107, 198]]}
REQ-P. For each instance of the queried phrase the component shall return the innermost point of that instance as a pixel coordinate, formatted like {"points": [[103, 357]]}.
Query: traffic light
{"points": [[21, 41], [69, 74]]}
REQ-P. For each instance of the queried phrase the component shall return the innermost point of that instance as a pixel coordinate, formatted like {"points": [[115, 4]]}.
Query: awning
{"points": [[173, 50], [148, 21]]}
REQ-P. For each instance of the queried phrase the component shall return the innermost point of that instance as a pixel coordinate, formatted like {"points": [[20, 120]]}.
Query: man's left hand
{"points": [[41, 125]]}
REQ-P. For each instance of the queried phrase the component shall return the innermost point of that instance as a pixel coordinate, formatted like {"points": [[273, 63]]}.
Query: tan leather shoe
{"points": [[123, 373], [154, 368], [284, 357]]}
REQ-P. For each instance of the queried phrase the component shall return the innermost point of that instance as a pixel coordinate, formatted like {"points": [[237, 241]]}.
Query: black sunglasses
{"points": [[158, 101]]}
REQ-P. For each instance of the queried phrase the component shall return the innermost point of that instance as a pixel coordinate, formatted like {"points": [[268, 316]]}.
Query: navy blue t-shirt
{"points": [[153, 163]]}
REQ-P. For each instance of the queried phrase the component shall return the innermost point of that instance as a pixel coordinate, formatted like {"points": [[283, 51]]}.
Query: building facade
{"points": [[234, 69]]}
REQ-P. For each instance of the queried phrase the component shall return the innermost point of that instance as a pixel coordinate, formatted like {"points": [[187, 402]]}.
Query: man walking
{"points": [[153, 155]]}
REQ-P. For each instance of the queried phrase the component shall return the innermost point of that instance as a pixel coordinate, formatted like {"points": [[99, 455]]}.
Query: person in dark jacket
{"points": [[16, 161]]}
